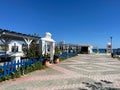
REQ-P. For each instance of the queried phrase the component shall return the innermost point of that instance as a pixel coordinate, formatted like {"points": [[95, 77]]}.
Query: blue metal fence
{"points": [[9, 67], [66, 55]]}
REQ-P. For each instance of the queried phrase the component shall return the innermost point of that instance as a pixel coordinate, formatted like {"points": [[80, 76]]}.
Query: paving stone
{"points": [[76, 73]]}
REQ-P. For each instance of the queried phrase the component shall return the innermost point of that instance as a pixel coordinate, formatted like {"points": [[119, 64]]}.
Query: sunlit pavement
{"points": [[83, 72]]}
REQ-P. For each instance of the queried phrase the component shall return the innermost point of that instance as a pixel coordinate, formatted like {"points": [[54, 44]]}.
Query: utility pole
{"points": [[111, 43]]}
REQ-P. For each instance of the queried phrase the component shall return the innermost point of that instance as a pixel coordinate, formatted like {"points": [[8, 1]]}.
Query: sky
{"points": [[73, 21]]}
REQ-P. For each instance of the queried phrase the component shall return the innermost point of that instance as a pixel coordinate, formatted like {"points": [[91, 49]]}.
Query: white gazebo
{"points": [[47, 45]]}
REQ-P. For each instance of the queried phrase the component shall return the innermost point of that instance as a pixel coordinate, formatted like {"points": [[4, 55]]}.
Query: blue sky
{"points": [[73, 21]]}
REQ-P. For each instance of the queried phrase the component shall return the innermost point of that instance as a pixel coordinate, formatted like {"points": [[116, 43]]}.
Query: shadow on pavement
{"points": [[99, 85]]}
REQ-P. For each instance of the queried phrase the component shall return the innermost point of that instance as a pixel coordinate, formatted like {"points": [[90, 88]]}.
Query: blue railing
{"points": [[66, 55], [9, 67]]}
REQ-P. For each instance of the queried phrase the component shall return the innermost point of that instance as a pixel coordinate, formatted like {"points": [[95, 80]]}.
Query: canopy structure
{"points": [[15, 35], [6, 36]]}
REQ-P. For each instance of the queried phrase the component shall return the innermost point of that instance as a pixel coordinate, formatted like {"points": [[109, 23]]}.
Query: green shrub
{"points": [[28, 69], [1, 79], [12, 75], [38, 65], [62, 58], [5, 78], [17, 75], [33, 67], [1, 71]]}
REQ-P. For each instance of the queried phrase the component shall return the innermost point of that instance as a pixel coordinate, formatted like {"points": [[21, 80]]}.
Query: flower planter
{"points": [[46, 62], [56, 60]]}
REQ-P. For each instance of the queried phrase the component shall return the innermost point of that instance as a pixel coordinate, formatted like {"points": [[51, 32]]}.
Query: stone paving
{"points": [[83, 72]]}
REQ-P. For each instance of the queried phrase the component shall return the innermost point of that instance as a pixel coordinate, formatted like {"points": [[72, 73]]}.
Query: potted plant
{"points": [[56, 56], [56, 59], [46, 61]]}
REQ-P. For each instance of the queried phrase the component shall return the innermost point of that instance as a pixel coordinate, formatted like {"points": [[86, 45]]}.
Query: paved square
{"points": [[90, 72]]}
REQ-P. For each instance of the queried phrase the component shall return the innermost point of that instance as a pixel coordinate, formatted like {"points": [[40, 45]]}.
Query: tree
{"points": [[33, 51]]}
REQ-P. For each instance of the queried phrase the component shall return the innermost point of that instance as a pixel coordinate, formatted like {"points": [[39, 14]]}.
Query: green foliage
{"points": [[12, 75], [33, 67], [62, 58], [1, 80], [15, 75], [57, 51], [1, 71], [27, 70], [40, 65], [33, 51], [5, 78], [46, 57]]}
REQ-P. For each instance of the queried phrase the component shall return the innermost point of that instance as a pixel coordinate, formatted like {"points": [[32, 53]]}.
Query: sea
{"points": [[102, 50]]}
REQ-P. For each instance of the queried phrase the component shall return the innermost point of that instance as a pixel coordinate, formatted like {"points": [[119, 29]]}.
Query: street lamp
{"points": [[111, 43]]}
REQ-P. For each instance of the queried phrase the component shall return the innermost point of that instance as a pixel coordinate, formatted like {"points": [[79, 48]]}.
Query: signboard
{"points": [[109, 46]]}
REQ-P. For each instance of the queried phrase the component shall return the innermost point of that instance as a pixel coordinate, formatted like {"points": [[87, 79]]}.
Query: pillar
{"points": [[52, 51]]}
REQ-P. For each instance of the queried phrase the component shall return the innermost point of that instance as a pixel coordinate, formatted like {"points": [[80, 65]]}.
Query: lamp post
{"points": [[111, 43]]}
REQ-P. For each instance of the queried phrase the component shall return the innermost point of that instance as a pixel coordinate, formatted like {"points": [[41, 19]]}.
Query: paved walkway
{"points": [[83, 72]]}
